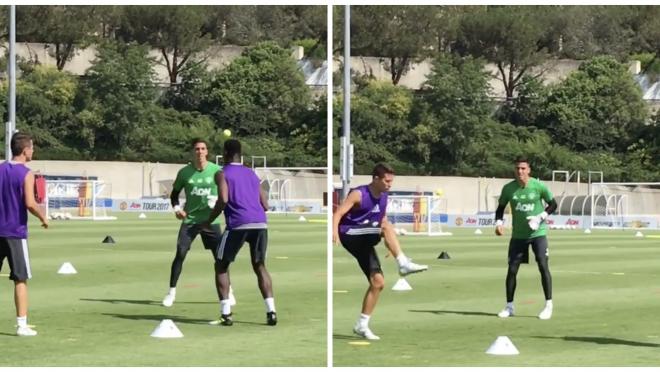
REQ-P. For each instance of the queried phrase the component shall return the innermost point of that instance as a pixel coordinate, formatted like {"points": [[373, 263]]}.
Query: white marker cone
{"points": [[67, 268], [142, 216], [587, 231], [639, 235], [167, 329], [478, 232], [401, 285], [302, 219], [502, 346]]}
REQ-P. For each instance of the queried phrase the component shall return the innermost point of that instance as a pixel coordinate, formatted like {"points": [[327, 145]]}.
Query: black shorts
{"points": [[519, 252], [16, 251], [233, 240], [363, 248], [188, 233]]}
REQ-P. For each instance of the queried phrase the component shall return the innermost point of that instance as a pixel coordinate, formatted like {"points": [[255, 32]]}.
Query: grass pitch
{"points": [[606, 294], [104, 315]]}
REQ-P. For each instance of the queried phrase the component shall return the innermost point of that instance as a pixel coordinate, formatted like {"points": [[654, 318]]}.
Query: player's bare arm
{"points": [[223, 198], [352, 200], [30, 203]]}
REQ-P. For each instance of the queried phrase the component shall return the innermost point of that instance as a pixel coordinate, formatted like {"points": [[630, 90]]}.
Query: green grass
{"points": [[104, 315], [606, 292]]}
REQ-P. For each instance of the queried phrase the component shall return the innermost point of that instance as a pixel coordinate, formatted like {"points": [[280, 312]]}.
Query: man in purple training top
{"points": [[245, 207], [16, 198], [359, 222]]}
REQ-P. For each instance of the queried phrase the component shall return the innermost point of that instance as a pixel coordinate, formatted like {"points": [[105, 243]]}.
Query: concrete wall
{"points": [[128, 180], [136, 180]]}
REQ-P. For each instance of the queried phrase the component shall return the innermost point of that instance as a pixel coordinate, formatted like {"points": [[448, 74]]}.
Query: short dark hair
{"points": [[381, 169], [232, 148], [196, 141], [19, 142], [521, 159]]}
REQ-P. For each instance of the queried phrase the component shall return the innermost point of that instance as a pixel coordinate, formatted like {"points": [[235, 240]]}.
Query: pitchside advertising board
{"points": [[570, 222], [141, 205], [163, 205]]}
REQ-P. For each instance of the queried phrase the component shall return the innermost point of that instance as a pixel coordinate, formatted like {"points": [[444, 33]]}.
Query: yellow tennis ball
{"points": [[439, 192], [226, 132]]}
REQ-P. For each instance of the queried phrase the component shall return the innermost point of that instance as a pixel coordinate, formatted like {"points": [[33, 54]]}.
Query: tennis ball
{"points": [[226, 132]]}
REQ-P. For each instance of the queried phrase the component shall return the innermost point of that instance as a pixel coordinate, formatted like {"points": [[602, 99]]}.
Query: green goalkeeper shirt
{"points": [[201, 192], [525, 201]]}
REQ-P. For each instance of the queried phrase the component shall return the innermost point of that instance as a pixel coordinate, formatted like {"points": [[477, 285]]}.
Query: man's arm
{"points": [[263, 199], [353, 199], [30, 203], [499, 219], [174, 199], [223, 196]]}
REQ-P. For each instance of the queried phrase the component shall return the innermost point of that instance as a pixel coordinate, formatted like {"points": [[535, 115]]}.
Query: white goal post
{"points": [[624, 205], [417, 214], [79, 199]]}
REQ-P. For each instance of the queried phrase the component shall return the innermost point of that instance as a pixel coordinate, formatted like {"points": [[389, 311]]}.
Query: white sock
{"points": [[270, 304], [401, 259], [172, 291], [21, 321], [509, 305], [363, 321], [548, 303], [225, 307]]}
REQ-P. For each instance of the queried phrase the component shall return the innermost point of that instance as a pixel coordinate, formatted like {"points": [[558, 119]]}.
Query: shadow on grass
{"points": [[179, 319], [601, 340], [346, 337], [140, 302], [474, 313], [159, 317]]}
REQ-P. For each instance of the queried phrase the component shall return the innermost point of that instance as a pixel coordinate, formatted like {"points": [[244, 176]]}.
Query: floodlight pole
{"points": [[346, 171], [10, 126]]}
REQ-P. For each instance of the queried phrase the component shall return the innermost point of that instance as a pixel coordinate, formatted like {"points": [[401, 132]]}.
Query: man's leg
{"points": [[406, 266], [258, 240], [21, 302], [187, 234], [211, 240], [376, 285], [540, 247], [516, 256], [222, 281]]}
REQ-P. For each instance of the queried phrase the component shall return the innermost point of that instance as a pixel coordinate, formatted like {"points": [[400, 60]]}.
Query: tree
{"points": [[401, 35], [180, 33], [261, 92], [598, 107], [117, 97], [511, 37], [66, 27], [449, 113]]}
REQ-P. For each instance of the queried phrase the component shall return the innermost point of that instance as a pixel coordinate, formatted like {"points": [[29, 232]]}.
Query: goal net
{"points": [[417, 214], [625, 205], [78, 200], [294, 190]]}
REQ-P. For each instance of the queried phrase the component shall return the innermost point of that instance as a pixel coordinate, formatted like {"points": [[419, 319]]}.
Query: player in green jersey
{"points": [[197, 179], [526, 196]]}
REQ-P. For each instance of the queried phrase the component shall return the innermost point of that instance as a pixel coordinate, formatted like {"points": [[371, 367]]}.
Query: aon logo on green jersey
{"points": [[525, 207], [201, 191]]}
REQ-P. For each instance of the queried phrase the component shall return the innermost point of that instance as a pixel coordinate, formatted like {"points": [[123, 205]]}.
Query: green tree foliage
{"points": [[65, 27], [598, 107], [452, 106], [261, 92], [401, 35], [512, 37], [178, 32]]}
